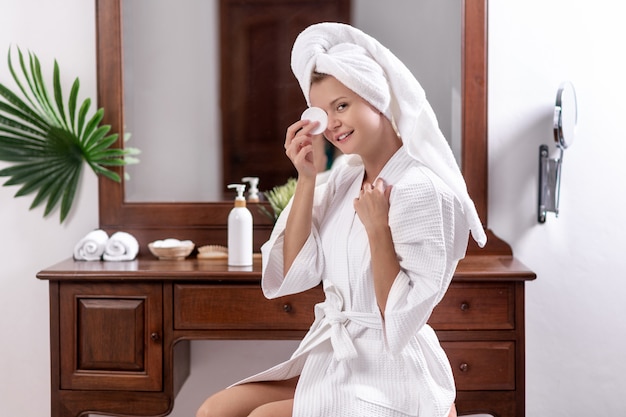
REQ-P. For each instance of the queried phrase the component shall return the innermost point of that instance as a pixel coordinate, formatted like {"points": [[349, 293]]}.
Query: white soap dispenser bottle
{"points": [[239, 230]]}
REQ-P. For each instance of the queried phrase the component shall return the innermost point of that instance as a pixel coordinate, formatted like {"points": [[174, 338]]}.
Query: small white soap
{"points": [[315, 114]]}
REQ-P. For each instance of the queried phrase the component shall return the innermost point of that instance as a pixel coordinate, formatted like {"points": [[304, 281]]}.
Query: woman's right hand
{"points": [[299, 147]]}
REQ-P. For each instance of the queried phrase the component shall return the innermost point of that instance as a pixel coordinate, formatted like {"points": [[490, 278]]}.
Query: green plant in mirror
{"points": [[47, 142], [279, 197]]}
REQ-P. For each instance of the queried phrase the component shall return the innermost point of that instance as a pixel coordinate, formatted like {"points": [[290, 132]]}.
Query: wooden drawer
{"points": [[241, 307], [483, 365], [476, 307]]}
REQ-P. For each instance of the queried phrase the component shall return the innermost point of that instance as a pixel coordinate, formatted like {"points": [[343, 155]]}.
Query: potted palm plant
{"points": [[46, 141]]}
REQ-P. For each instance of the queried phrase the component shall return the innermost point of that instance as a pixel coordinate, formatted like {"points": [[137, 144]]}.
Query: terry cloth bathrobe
{"points": [[352, 362]]}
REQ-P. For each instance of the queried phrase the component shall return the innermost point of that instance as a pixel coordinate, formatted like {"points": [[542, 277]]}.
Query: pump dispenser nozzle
{"points": [[253, 190], [240, 200]]}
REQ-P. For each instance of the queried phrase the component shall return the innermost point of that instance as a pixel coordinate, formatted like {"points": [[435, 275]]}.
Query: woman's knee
{"points": [[216, 405], [202, 411], [241, 400], [452, 411], [282, 408], [205, 410]]}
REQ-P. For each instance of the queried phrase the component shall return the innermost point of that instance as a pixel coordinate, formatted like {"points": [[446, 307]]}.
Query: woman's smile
{"points": [[342, 137]]}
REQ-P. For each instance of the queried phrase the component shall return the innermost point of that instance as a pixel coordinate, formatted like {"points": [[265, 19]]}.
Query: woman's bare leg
{"points": [[282, 408], [257, 399], [242, 400]]}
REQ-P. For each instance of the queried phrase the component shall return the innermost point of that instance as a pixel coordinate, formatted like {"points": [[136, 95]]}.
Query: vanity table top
{"points": [[472, 268]]}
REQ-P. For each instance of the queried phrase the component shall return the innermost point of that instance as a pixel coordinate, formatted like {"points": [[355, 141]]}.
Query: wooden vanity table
{"points": [[120, 331]]}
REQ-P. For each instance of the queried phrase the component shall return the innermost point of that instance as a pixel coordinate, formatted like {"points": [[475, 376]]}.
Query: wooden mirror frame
{"points": [[205, 223]]}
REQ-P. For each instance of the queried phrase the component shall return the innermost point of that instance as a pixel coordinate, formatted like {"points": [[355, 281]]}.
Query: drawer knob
{"points": [[465, 306], [287, 308], [155, 337], [464, 367]]}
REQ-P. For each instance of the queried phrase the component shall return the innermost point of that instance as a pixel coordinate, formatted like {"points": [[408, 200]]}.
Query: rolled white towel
{"points": [[91, 247], [122, 246]]}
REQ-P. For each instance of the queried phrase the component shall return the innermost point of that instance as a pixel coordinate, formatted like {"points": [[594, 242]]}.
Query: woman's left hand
{"points": [[372, 205]]}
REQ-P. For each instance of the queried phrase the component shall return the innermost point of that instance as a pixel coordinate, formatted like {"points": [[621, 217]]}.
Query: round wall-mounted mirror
{"points": [[565, 115]]}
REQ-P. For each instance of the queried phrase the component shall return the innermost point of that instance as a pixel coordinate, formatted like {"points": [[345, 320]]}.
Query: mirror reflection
{"points": [[172, 110]]}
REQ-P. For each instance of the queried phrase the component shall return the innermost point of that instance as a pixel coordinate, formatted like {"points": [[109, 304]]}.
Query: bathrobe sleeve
{"points": [[430, 236], [306, 270]]}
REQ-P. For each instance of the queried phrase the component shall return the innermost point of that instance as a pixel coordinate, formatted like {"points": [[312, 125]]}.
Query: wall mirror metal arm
{"points": [[564, 126]]}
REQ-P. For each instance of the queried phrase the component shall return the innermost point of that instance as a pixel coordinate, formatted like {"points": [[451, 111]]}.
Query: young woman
{"points": [[383, 235]]}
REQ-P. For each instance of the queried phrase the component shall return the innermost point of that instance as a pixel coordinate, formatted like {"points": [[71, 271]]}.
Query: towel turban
{"points": [[372, 71]]}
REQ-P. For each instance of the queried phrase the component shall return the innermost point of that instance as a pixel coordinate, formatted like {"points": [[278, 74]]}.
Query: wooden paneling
{"points": [[110, 334]]}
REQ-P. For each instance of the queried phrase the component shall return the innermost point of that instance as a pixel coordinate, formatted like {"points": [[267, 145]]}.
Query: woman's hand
{"points": [[299, 147], [372, 205]]}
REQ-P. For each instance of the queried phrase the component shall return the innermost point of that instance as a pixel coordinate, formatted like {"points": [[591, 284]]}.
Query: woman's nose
{"points": [[333, 122]]}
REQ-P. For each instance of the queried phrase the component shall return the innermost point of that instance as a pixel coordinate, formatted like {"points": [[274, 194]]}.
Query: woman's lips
{"points": [[343, 136]]}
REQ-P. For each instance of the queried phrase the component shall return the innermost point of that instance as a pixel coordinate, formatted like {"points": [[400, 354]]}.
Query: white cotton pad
{"points": [[315, 114]]}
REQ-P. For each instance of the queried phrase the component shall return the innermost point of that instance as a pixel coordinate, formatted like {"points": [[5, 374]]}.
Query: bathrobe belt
{"points": [[333, 321]]}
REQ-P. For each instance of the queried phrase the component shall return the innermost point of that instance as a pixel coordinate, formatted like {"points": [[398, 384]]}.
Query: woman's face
{"points": [[354, 125]]}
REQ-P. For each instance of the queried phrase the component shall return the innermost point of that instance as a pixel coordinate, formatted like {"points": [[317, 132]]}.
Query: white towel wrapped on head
{"points": [[91, 246], [122, 246], [373, 72]]}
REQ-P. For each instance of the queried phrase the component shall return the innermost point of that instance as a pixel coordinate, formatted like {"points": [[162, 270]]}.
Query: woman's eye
{"points": [[342, 106]]}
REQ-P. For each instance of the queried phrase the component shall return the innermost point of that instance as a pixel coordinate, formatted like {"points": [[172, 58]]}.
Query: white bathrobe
{"points": [[353, 362]]}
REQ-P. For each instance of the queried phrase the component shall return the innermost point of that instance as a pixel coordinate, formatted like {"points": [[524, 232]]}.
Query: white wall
{"points": [[28, 243], [576, 326], [576, 314]]}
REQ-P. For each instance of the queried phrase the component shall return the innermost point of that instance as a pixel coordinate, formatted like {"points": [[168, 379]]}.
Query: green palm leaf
{"points": [[279, 197], [47, 141]]}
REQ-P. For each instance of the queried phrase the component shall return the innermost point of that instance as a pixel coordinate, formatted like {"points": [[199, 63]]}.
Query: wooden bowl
{"points": [[171, 249]]}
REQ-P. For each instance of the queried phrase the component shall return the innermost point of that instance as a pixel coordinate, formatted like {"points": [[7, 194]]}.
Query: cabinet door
{"points": [[111, 336]]}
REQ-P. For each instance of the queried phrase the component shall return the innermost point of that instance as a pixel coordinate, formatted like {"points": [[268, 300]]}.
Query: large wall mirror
{"points": [[138, 42], [180, 98]]}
